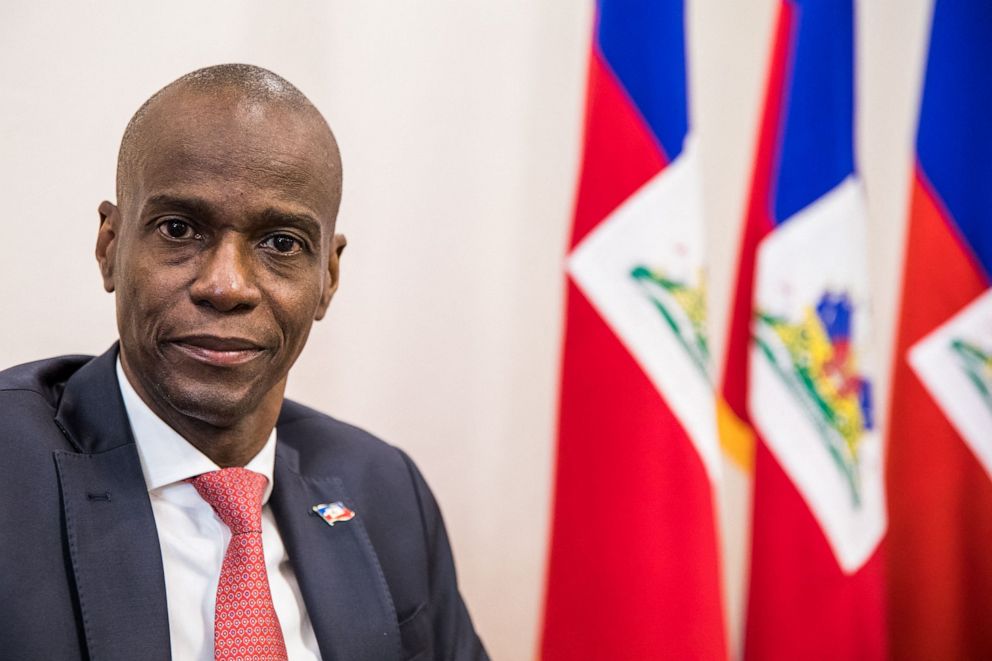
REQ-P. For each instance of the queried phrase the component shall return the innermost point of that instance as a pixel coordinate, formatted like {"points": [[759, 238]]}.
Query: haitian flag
{"points": [[939, 470], [634, 567], [798, 369]]}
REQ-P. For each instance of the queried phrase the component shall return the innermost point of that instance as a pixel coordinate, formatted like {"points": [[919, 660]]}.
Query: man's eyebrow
{"points": [[301, 221], [192, 205]]}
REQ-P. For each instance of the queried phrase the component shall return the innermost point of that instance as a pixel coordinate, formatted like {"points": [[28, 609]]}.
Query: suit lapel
{"points": [[342, 583], [115, 554], [110, 528]]}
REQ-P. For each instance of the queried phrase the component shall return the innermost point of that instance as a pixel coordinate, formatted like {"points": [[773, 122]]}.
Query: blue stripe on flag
{"points": [[643, 42], [817, 146], [954, 143]]}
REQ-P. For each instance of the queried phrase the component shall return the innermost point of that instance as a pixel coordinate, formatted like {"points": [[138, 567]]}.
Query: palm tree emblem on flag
{"points": [[815, 358], [684, 308], [954, 364], [977, 364]]}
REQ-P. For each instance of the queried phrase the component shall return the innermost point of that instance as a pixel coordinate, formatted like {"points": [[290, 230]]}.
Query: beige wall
{"points": [[459, 124]]}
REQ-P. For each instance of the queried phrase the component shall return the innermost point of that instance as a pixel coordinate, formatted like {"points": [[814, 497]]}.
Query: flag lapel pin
{"points": [[333, 512]]}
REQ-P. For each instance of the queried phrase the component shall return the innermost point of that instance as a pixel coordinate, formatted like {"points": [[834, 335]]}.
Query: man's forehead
{"points": [[187, 135], [225, 115]]}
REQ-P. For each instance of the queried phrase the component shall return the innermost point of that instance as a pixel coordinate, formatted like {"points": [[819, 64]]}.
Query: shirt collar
{"points": [[166, 457]]}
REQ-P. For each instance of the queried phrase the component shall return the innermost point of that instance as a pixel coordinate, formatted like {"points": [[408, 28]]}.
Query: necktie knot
{"points": [[235, 494]]}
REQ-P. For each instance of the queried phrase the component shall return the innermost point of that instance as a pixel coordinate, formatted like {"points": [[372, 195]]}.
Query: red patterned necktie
{"points": [[245, 622]]}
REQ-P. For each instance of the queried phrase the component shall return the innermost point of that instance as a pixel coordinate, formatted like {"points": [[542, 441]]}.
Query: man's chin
{"points": [[212, 405]]}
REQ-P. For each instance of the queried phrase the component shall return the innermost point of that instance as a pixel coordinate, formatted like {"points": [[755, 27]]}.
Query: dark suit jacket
{"points": [[80, 564]]}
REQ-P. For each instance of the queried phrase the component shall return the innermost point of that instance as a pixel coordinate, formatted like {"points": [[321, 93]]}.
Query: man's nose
{"points": [[226, 278]]}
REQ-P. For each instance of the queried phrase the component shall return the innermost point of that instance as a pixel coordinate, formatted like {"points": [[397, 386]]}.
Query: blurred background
{"points": [[461, 128]]}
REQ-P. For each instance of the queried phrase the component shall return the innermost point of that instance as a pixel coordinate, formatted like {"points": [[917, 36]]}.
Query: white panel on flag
{"points": [[642, 269], [954, 362], [810, 395]]}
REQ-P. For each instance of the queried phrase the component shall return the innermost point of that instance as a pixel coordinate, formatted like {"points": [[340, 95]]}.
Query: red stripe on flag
{"points": [[633, 571], [620, 153], [759, 221], [801, 604], [939, 496]]}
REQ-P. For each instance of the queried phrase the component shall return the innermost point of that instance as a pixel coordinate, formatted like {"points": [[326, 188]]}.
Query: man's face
{"points": [[222, 253]]}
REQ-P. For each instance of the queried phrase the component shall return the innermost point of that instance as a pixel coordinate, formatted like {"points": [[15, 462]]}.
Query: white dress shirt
{"points": [[194, 539]]}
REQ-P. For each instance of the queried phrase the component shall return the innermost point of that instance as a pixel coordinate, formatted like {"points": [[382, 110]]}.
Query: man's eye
{"points": [[283, 243], [177, 229]]}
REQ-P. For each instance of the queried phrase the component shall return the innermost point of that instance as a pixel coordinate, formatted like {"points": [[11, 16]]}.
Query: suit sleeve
{"points": [[454, 637]]}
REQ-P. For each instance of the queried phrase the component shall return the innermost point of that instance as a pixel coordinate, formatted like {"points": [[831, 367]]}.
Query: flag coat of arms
{"points": [[939, 468], [799, 368], [637, 428]]}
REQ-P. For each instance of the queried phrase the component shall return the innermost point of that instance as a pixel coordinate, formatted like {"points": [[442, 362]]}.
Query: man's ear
{"points": [[106, 242], [338, 244]]}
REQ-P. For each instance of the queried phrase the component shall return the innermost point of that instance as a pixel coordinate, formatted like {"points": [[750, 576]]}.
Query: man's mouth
{"points": [[218, 351]]}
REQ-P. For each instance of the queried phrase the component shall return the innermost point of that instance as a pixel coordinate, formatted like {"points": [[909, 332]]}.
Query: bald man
{"points": [[164, 499]]}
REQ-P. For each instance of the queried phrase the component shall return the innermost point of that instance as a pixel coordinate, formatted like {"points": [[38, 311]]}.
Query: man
{"points": [[164, 498]]}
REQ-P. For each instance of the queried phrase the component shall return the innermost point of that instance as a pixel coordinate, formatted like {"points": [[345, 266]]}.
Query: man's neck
{"points": [[227, 445]]}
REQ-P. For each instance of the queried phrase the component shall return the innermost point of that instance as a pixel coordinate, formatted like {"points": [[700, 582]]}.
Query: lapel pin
{"points": [[334, 512]]}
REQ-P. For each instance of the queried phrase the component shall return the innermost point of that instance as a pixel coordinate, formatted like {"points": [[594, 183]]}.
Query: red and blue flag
{"points": [[637, 426], [799, 363], [939, 468]]}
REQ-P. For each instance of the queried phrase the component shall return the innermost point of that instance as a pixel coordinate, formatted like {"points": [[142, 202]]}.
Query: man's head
{"points": [[221, 248]]}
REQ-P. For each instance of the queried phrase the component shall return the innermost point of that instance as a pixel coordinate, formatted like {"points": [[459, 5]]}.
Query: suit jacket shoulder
{"points": [[32, 391]]}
